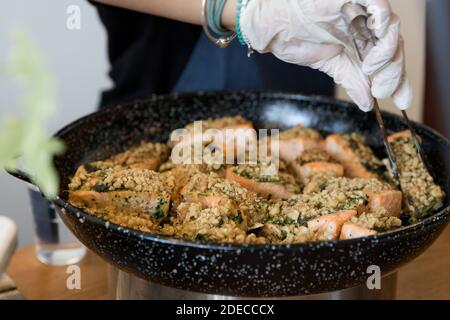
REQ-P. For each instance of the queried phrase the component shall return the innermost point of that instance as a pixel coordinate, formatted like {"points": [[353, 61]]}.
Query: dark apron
{"points": [[212, 68]]}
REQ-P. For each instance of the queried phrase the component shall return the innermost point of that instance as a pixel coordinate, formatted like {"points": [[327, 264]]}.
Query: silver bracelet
{"points": [[222, 42]]}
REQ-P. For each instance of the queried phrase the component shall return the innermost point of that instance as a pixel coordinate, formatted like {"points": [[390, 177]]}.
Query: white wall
{"points": [[413, 15], [78, 59]]}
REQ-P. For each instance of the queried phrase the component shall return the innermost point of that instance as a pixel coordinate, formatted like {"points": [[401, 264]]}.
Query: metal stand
{"points": [[123, 286]]}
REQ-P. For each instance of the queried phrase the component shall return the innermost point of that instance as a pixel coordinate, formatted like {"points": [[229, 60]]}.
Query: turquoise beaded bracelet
{"points": [[238, 24], [241, 38]]}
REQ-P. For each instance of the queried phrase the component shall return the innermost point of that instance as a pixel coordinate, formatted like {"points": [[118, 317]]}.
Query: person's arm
{"points": [[188, 11]]}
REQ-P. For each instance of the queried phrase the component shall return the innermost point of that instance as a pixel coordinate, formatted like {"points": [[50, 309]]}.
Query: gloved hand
{"points": [[314, 33]]}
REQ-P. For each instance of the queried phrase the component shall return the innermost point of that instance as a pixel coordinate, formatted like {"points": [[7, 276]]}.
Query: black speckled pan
{"points": [[241, 270]]}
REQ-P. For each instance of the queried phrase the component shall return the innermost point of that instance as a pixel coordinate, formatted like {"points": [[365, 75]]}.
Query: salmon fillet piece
{"points": [[377, 194], [211, 191], [286, 233], [237, 138], [422, 196], [351, 230], [267, 189], [205, 200], [122, 192], [155, 206], [231, 122], [229, 127], [379, 221], [293, 142], [87, 172], [182, 175], [146, 155], [389, 200], [307, 171], [217, 224], [227, 206], [356, 157], [398, 135], [328, 227]]}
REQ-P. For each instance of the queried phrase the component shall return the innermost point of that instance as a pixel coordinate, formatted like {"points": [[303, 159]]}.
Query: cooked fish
{"points": [[328, 227], [209, 190], [422, 195], [379, 220], [329, 189], [286, 233], [213, 223], [114, 193], [309, 170], [229, 127], [389, 200], [377, 194], [295, 141], [146, 155], [352, 152], [266, 183], [352, 230]]}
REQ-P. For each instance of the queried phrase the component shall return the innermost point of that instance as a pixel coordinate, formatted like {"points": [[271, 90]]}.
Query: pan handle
{"points": [[25, 177], [21, 175]]}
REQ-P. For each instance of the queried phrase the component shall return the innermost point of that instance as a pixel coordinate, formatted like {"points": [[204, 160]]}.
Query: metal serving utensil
{"points": [[356, 17]]}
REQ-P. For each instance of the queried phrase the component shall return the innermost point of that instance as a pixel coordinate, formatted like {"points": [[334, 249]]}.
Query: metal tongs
{"points": [[356, 17]]}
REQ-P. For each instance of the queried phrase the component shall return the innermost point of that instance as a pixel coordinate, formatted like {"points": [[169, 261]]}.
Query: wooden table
{"points": [[38, 281], [427, 277]]}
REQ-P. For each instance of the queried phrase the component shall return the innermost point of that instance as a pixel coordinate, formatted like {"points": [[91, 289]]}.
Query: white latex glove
{"points": [[314, 33]]}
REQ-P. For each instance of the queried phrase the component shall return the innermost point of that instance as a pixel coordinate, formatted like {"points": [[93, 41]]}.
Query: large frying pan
{"points": [[240, 270]]}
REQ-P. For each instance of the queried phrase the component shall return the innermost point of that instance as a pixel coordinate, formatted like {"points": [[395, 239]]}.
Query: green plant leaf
{"points": [[24, 137], [10, 138]]}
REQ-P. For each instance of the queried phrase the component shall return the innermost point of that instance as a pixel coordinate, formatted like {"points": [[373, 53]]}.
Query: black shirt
{"points": [[152, 55]]}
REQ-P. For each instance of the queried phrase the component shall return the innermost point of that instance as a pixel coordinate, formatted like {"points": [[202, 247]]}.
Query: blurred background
{"points": [[78, 59], [79, 62]]}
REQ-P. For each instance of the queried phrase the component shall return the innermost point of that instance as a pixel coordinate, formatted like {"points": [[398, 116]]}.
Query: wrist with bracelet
{"points": [[212, 11], [211, 15]]}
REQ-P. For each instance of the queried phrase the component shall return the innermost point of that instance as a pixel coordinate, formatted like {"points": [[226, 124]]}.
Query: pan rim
{"points": [[126, 232], [260, 93], [138, 235]]}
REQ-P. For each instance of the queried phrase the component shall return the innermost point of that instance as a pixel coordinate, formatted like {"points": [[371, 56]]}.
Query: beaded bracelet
{"points": [[241, 37], [225, 40], [215, 11]]}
